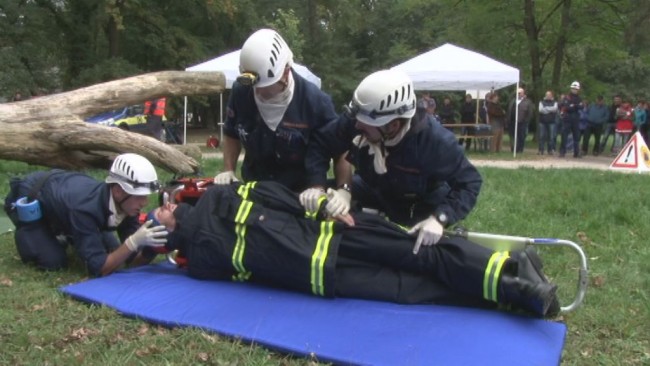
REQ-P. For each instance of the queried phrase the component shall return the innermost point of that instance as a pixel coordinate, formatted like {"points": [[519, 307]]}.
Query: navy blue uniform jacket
{"points": [[279, 155], [76, 205], [428, 161]]}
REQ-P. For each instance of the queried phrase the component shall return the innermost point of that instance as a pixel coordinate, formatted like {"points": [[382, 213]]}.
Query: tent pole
{"points": [[516, 106], [477, 103], [221, 117], [185, 121]]}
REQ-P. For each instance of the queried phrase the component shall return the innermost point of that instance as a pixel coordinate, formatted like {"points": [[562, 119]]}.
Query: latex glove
{"points": [[147, 236], [429, 233], [338, 202], [311, 199], [226, 177]]}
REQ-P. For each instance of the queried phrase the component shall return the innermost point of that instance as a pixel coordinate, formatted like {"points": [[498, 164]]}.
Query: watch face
{"points": [[442, 218]]}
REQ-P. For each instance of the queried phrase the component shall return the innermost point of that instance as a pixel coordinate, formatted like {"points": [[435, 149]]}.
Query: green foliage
{"points": [[106, 70], [57, 45]]}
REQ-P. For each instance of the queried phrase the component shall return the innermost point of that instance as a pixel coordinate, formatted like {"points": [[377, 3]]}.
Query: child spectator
{"points": [[624, 125], [640, 119]]}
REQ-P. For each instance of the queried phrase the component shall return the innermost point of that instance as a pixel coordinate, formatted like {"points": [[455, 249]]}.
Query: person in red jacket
{"points": [[624, 126], [155, 110]]}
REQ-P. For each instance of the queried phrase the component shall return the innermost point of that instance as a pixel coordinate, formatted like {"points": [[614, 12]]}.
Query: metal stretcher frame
{"points": [[508, 242]]}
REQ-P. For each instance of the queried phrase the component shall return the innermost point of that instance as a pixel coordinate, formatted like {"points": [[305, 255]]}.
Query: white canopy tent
{"points": [[450, 67], [229, 65]]}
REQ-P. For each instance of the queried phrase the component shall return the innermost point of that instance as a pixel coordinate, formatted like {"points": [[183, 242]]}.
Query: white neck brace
{"points": [[272, 110]]}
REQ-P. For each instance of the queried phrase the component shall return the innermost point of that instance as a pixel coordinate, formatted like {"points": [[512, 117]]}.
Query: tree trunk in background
{"points": [[50, 130], [561, 45], [532, 34]]}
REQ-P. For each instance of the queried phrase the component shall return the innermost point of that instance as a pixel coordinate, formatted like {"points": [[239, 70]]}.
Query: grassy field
{"points": [[607, 213]]}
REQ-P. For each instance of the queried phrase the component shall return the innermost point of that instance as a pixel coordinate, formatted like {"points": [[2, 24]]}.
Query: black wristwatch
{"points": [[345, 187]]}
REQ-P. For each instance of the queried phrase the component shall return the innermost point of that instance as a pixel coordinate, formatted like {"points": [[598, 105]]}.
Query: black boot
{"points": [[536, 298], [529, 289]]}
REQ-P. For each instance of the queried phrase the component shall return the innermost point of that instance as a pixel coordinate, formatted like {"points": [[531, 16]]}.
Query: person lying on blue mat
{"points": [[260, 232]]}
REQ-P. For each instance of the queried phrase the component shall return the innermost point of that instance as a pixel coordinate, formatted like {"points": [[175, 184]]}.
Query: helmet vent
{"points": [[274, 56], [270, 74]]}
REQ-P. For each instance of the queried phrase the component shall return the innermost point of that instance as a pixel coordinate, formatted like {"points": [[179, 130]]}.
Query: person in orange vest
{"points": [[155, 110]]}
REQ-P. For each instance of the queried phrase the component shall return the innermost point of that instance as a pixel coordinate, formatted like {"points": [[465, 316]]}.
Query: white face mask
{"points": [[272, 109]]}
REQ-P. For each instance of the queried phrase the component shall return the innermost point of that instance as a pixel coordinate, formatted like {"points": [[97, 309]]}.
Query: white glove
{"points": [[338, 202], [430, 232], [311, 198], [147, 237], [226, 177]]}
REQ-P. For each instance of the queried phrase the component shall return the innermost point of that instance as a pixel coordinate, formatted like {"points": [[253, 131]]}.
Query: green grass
{"points": [[606, 212]]}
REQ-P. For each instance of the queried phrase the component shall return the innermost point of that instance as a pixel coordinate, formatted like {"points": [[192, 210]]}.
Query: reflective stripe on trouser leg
{"points": [[240, 243], [319, 257], [492, 275]]}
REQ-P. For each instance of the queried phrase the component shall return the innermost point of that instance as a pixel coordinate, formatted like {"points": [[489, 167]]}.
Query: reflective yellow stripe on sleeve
{"points": [[244, 189], [319, 257], [492, 274], [313, 214]]}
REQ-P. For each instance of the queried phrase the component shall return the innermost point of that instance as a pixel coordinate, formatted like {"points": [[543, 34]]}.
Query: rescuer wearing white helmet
{"points": [[411, 170], [571, 105], [56, 208], [274, 113]]}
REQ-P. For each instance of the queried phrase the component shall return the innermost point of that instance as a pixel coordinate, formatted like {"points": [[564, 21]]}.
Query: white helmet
{"points": [[575, 85], [264, 57], [135, 174], [383, 96]]}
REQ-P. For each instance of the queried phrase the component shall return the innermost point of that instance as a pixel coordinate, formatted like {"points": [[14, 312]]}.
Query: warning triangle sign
{"points": [[634, 156]]}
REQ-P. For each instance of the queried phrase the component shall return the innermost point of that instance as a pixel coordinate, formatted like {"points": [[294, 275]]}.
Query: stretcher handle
{"points": [[509, 242]]}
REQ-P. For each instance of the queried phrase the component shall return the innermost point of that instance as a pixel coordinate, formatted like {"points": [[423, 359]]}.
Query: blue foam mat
{"points": [[343, 331]]}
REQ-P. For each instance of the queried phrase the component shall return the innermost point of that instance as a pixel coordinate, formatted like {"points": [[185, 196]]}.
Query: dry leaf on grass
{"points": [[6, 282], [143, 330], [148, 351], [598, 281], [79, 334], [209, 337], [38, 307]]}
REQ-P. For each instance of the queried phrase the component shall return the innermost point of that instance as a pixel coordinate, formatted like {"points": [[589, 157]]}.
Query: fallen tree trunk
{"points": [[50, 130]]}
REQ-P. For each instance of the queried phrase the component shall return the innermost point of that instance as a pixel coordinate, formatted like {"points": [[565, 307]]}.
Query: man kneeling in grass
{"points": [[259, 232]]}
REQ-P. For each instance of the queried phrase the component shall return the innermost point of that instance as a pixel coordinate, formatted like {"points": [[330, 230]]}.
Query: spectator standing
{"points": [[624, 126], [571, 106], [519, 121], [597, 117], [497, 120], [640, 119], [548, 111], [154, 111], [446, 112], [426, 107], [467, 115], [610, 128], [582, 125]]}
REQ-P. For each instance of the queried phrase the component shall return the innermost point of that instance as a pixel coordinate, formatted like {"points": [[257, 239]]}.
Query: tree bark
{"points": [[50, 130], [532, 34], [560, 45]]}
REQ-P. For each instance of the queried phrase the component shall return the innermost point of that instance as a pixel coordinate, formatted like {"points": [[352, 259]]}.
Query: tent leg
{"points": [[221, 118], [185, 121], [516, 106]]}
